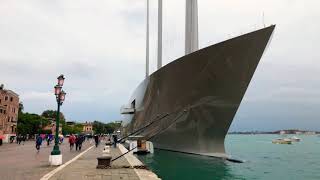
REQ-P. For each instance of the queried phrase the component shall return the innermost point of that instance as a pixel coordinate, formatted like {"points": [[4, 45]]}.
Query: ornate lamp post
{"points": [[56, 156]]}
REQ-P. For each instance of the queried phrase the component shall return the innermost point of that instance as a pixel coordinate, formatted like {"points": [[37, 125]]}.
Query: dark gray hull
{"points": [[201, 92]]}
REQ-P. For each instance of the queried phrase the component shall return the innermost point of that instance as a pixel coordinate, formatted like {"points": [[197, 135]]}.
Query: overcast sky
{"points": [[99, 45]]}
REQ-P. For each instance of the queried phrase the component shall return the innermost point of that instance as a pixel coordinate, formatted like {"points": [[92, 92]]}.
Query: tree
{"points": [[21, 107], [51, 114], [76, 129], [98, 127], [102, 128], [30, 123]]}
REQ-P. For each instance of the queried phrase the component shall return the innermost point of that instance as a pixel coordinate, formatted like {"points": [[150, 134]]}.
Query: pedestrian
{"points": [[61, 139], [19, 139], [24, 139], [51, 137], [48, 139], [115, 140], [11, 139], [96, 139], [77, 142], [71, 141], [82, 139], [38, 143]]}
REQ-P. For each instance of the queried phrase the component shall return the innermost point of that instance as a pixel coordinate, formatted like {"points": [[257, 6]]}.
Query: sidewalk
{"points": [[85, 168]]}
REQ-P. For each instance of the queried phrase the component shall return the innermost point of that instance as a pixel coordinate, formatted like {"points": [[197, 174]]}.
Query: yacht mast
{"points": [[159, 64], [191, 34], [147, 41]]}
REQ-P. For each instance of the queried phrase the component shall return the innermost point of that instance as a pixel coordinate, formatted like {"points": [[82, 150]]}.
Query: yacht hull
{"points": [[200, 93]]}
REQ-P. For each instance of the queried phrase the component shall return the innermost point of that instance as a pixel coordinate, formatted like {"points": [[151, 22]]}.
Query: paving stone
{"points": [[85, 168]]}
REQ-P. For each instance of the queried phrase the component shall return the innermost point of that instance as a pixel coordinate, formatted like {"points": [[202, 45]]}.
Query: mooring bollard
{"points": [[104, 162], [106, 151]]}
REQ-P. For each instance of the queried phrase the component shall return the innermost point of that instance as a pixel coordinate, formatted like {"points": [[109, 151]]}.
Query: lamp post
{"points": [[56, 156]]}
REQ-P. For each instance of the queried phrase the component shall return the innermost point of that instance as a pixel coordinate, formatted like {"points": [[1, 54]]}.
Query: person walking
{"points": [[82, 139], [38, 143], [96, 140], [115, 140], [0, 141], [71, 141], [48, 140], [19, 139], [23, 138], [77, 142]]}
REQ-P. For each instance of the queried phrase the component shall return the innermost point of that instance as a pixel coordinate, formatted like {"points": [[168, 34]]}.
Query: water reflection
{"points": [[173, 165]]}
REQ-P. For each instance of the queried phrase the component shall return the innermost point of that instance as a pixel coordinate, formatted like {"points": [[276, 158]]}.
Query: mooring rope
{"points": [[140, 129], [162, 130]]}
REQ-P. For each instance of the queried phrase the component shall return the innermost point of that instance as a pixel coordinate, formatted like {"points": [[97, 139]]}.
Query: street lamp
{"points": [[56, 156], [60, 80]]}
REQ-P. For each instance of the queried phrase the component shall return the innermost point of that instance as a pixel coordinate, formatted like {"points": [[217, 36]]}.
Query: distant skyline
{"points": [[100, 48]]}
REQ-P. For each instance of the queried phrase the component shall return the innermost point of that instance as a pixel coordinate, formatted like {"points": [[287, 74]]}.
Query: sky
{"points": [[99, 45]]}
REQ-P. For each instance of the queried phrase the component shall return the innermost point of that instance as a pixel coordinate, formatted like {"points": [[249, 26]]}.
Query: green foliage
{"points": [[33, 123], [21, 107], [102, 128], [76, 129], [47, 131], [52, 115], [30, 123]]}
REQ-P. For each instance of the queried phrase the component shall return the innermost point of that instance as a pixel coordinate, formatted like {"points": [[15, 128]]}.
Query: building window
{"points": [[0, 110], [8, 119], [11, 99], [0, 101], [6, 98], [4, 111]]}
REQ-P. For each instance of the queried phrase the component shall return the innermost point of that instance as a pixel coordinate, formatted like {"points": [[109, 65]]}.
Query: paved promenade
{"points": [[85, 168], [22, 162]]}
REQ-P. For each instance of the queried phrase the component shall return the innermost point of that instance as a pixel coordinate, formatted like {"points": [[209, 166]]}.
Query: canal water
{"points": [[264, 160]]}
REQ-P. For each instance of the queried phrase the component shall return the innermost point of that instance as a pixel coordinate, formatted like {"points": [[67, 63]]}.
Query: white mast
{"points": [[191, 39], [147, 41], [159, 65]]}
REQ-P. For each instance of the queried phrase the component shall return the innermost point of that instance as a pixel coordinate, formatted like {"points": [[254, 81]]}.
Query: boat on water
{"points": [[295, 139], [282, 141], [188, 105]]}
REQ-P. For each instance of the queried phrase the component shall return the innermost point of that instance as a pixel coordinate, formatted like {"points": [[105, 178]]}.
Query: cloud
{"points": [[100, 47]]}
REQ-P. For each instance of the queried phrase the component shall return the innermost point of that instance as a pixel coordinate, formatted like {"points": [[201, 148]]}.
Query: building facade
{"points": [[9, 108], [52, 126], [87, 128]]}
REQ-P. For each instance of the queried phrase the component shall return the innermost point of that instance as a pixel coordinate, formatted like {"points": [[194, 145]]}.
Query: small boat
{"points": [[295, 139], [282, 141]]}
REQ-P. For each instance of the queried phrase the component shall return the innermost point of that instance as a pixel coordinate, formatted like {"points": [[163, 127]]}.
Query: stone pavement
{"points": [[85, 168], [22, 162]]}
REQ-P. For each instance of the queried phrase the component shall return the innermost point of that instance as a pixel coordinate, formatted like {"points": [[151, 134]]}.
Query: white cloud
{"points": [[100, 47]]}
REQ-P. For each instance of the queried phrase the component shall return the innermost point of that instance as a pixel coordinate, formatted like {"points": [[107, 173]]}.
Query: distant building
{"points": [[52, 126], [9, 107], [310, 133], [283, 132], [87, 128]]}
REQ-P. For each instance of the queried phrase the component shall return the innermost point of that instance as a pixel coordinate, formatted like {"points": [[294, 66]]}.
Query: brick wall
{"points": [[9, 107]]}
